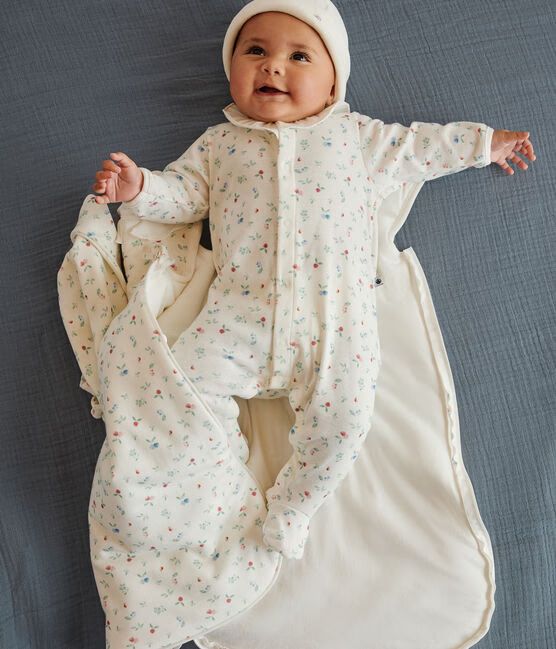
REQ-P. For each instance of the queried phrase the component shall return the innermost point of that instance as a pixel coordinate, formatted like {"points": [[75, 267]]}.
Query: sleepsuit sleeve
{"points": [[394, 153], [179, 193]]}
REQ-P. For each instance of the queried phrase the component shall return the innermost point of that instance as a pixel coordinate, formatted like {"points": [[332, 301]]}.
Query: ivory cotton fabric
{"points": [[150, 431]]}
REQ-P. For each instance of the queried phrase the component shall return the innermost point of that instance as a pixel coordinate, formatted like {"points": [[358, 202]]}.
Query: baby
{"points": [[292, 182]]}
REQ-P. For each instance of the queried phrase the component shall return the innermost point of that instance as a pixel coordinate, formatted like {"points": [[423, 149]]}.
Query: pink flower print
{"points": [[319, 187], [264, 247], [298, 191], [250, 565], [158, 394], [198, 331], [228, 598], [133, 640], [210, 614], [223, 329], [219, 510], [260, 174], [314, 342], [316, 263], [326, 405], [345, 254], [343, 435], [153, 628], [136, 420], [180, 601], [234, 267]]}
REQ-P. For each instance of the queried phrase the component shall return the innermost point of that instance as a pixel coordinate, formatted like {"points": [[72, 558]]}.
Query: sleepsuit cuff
{"points": [[179, 193], [286, 530]]}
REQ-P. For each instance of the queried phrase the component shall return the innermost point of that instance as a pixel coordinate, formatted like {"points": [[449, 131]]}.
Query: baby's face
{"points": [[276, 49]]}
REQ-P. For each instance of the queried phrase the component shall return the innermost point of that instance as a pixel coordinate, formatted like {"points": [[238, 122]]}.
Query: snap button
{"points": [[378, 281]]}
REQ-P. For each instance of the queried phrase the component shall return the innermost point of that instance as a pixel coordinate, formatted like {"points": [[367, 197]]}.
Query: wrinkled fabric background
{"points": [[81, 79]]}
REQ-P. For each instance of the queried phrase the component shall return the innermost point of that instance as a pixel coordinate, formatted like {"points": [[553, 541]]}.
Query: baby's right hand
{"points": [[118, 182]]}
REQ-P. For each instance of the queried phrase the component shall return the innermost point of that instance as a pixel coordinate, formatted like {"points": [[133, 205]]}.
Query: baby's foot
{"points": [[286, 530]]}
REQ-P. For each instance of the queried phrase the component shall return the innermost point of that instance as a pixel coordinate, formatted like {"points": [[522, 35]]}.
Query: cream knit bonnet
{"points": [[321, 15]]}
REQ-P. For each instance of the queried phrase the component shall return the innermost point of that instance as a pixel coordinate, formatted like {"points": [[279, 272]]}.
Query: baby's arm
{"points": [[394, 153], [179, 193]]}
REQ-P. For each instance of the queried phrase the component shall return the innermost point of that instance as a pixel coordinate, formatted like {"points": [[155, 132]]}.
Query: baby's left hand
{"points": [[505, 144]]}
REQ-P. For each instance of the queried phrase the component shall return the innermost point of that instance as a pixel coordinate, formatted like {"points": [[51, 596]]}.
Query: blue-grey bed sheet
{"points": [[80, 79]]}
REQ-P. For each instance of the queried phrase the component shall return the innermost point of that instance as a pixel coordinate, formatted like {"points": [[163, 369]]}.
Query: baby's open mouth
{"points": [[271, 91]]}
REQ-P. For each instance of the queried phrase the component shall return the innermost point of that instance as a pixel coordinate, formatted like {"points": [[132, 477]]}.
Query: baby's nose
{"points": [[273, 66]]}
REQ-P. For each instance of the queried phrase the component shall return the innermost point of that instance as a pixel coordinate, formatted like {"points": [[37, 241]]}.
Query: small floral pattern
{"points": [[181, 535]]}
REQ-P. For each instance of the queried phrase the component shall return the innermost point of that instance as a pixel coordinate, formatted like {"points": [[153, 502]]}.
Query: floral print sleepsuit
{"points": [[292, 210]]}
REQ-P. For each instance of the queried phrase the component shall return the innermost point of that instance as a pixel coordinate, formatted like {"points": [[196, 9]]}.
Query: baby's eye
{"points": [[301, 54], [254, 47]]}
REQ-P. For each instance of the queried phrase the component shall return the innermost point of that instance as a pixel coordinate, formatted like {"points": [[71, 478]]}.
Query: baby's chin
{"points": [[271, 114]]}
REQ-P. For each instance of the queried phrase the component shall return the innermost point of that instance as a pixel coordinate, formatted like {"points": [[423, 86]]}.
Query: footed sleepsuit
{"points": [[292, 210]]}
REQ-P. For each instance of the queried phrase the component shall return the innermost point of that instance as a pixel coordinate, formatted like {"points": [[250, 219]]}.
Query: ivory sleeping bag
{"points": [[402, 558], [397, 558]]}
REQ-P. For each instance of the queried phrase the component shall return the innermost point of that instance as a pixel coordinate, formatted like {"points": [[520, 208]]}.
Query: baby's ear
{"points": [[330, 99]]}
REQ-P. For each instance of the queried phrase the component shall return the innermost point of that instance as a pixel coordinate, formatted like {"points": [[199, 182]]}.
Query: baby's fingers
{"points": [[506, 167], [106, 175], [122, 159], [518, 161], [526, 148]]}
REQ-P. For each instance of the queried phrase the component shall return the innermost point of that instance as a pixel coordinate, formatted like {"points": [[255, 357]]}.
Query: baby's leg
{"points": [[333, 409], [220, 362]]}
